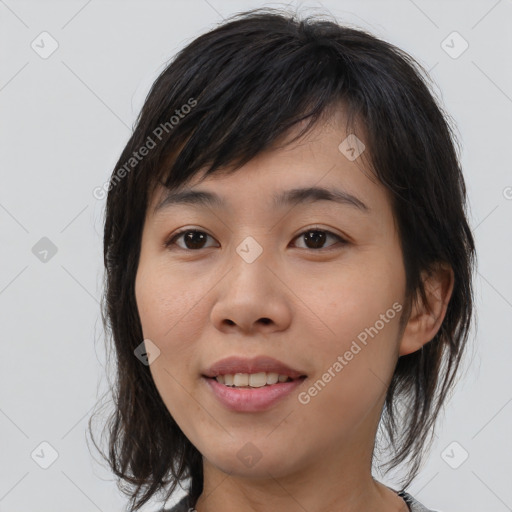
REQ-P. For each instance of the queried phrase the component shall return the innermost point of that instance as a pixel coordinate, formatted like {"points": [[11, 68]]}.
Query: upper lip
{"points": [[235, 364]]}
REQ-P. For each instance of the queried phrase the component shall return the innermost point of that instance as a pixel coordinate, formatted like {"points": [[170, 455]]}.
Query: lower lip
{"points": [[252, 399]]}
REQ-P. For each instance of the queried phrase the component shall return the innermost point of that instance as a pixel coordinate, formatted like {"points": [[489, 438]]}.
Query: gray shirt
{"points": [[414, 506]]}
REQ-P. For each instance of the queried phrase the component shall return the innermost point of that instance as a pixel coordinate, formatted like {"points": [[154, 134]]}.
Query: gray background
{"points": [[64, 121]]}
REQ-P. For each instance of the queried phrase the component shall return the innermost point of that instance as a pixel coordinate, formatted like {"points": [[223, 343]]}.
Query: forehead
{"points": [[314, 169]]}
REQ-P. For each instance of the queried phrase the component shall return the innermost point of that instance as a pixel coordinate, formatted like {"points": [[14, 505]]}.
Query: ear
{"points": [[426, 319]]}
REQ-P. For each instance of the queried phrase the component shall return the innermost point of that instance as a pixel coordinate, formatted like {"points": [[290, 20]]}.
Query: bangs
{"points": [[262, 88]]}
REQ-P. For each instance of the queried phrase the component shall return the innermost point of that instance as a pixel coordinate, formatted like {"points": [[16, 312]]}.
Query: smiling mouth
{"points": [[253, 380]]}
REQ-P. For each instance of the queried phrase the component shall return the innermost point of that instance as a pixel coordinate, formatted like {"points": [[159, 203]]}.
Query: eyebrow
{"points": [[290, 197]]}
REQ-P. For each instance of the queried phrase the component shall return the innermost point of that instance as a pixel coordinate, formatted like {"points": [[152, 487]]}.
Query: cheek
{"points": [[173, 316], [167, 302], [361, 309], [355, 363], [355, 301], [168, 310]]}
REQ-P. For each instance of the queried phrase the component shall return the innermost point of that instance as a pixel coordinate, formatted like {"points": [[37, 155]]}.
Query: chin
{"points": [[246, 460]]}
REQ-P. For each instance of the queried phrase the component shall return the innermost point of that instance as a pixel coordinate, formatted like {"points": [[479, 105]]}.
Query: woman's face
{"points": [[315, 284]]}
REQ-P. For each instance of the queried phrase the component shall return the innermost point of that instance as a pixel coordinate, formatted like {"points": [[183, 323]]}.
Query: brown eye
{"points": [[193, 239], [315, 238]]}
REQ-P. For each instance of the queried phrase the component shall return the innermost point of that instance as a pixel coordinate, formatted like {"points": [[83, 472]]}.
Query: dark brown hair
{"points": [[247, 83]]}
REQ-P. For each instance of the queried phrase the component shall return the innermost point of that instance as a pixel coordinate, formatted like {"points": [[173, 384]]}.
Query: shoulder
{"points": [[414, 505], [181, 506]]}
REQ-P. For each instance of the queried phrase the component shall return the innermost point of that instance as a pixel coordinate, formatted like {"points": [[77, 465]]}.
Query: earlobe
{"points": [[426, 319]]}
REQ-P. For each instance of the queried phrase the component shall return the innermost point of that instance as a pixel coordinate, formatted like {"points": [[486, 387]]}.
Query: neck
{"points": [[315, 487]]}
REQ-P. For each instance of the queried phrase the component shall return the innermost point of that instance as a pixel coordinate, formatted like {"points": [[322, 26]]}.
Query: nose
{"points": [[252, 298]]}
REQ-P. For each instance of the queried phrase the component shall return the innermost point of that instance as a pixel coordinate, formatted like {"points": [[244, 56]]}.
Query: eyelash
{"points": [[172, 239]]}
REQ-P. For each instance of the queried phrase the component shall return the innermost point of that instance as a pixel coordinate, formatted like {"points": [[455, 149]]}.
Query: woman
{"points": [[288, 269]]}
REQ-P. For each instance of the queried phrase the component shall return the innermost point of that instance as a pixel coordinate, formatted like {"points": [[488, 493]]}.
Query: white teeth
{"points": [[253, 380], [241, 379], [257, 380], [272, 378]]}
